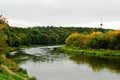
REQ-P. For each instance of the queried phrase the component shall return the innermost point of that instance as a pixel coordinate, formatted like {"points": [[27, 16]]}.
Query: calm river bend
{"points": [[46, 63]]}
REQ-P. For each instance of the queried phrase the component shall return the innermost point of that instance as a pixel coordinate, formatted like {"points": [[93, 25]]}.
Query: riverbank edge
{"points": [[11, 49], [92, 52], [10, 69], [29, 46]]}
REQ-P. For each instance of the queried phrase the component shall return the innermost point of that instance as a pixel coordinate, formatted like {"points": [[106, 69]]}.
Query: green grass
{"points": [[94, 52], [5, 75], [12, 66]]}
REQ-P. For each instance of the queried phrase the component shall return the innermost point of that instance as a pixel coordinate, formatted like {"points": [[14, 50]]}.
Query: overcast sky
{"points": [[62, 12]]}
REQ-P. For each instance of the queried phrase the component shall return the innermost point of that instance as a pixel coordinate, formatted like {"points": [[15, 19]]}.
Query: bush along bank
{"points": [[95, 43]]}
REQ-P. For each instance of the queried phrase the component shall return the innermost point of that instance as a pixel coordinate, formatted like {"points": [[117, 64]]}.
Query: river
{"points": [[46, 63]]}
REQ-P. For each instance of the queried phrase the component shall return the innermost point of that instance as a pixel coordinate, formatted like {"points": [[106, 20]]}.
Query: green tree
{"points": [[3, 39]]}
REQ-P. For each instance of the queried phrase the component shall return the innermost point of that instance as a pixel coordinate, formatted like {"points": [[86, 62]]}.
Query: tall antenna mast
{"points": [[101, 24]]}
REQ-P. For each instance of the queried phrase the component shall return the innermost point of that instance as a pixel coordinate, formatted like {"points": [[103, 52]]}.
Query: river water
{"points": [[46, 63]]}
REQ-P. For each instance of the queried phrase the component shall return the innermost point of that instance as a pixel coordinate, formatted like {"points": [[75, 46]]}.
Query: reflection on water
{"points": [[98, 63], [47, 63], [36, 55]]}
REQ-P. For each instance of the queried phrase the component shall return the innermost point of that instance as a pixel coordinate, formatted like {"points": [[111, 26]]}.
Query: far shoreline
{"points": [[91, 52]]}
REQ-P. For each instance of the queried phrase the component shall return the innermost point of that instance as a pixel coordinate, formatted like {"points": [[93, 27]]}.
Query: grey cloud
{"points": [[61, 11]]}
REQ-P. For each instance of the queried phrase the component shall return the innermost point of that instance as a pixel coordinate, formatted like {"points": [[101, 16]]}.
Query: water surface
{"points": [[46, 63]]}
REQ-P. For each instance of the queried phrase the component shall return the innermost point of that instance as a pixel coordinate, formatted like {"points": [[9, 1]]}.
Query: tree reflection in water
{"points": [[51, 55], [97, 63]]}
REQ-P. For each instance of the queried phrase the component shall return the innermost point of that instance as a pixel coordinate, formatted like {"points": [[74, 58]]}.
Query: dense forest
{"points": [[42, 35]]}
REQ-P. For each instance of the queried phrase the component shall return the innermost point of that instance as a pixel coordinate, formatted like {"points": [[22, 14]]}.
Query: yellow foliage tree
{"points": [[76, 40]]}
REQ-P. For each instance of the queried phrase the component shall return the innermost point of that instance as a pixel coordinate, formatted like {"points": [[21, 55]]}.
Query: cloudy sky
{"points": [[86, 13]]}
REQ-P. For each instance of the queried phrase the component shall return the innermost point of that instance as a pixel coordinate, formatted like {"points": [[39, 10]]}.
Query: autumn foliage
{"points": [[95, 40]]}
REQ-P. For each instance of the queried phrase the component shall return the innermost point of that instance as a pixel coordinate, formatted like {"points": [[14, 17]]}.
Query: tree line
{"points": [[37, 35], [42, 35], [95, 40]]}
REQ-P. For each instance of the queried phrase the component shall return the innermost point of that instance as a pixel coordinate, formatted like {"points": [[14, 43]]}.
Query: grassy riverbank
{"points": [[10, 70], [93, 52]]}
